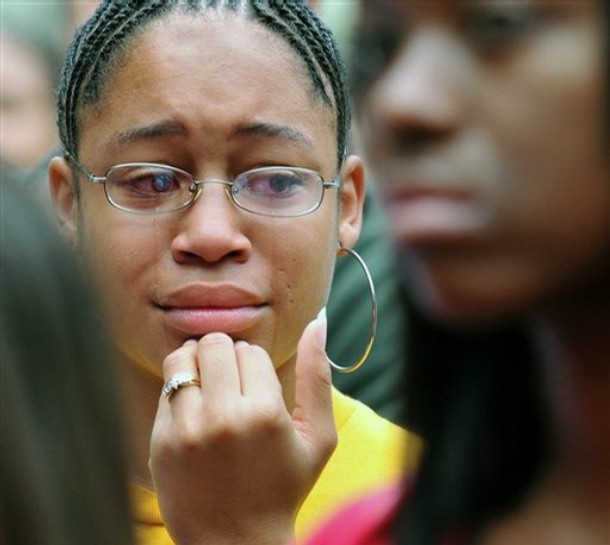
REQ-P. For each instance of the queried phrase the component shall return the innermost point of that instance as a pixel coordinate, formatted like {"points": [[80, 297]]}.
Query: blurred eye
{"points": [[277, 185], [374, 47], [500, 27]]}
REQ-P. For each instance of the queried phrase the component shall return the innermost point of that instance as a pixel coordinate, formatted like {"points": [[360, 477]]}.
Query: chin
{"points": [[472, 292], [469, 307]]}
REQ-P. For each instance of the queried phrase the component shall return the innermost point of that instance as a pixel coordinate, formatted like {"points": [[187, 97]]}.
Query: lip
{"points": [[197, 309], [423, 217]]}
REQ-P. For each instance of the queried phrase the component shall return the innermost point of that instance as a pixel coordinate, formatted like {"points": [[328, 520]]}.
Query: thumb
{"points": [[313, 414]]}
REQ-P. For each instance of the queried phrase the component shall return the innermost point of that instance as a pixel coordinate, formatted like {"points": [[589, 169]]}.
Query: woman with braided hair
{"points": [[205, 184]]}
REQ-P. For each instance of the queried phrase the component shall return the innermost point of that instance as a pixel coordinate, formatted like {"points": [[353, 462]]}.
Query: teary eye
{"points": [[273, 184], [162, 182], [146, 181]]}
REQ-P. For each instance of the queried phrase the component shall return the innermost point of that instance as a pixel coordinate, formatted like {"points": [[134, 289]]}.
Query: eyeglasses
{"points": [[151, 188]]}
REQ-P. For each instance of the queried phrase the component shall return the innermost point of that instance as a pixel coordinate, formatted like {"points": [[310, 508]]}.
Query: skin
{"points": [[490, 158], [465, 138], [246, 278], [28, 127]]}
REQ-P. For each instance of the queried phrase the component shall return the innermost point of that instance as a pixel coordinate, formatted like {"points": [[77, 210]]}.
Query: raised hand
{"points": [[230, 464]]}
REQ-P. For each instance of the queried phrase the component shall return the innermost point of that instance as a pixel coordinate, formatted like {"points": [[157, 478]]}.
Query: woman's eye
{"points": [[498, 28], [274, 185], [150, 183], [163, 182]]}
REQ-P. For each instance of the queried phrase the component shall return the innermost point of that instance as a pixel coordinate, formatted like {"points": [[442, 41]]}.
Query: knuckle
{"points": [[258, 351], [270, 415], [162, 449], [325, 375], [182, 437], [223, 428], [215, 338], [256, 354], [174, 360]]}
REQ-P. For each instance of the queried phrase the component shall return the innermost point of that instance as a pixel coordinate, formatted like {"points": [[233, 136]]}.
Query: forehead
{"points": [[220, 66], [212, 45], [210, 34]]}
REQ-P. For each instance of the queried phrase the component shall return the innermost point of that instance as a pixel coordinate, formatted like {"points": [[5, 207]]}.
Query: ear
{"points": [[352, 200], [64, 197]]}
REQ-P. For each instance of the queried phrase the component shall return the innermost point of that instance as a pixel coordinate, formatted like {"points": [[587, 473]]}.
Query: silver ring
{"points": [[179, 380]]}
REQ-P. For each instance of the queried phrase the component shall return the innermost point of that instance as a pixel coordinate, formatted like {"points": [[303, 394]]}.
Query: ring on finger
{"points": [[179, 380]]}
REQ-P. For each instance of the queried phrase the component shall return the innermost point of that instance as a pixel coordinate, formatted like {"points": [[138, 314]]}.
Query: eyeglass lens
{"points": [[273, 191]]}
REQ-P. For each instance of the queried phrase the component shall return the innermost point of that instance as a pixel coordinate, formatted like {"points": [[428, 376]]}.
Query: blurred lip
{"points": [[421, 216], [203, 308]]}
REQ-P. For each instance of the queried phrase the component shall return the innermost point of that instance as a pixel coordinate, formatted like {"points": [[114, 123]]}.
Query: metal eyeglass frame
{"points": [[197, 187]]}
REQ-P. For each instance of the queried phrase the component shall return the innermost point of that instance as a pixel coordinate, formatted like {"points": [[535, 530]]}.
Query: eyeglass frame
{"points": [[196, 192]]}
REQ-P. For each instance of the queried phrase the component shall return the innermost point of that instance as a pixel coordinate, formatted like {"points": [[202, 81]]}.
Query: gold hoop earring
{"points": [[373, 330]]}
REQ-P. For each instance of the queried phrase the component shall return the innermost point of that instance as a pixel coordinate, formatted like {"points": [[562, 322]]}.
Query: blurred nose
{"points": [[417, 101], [211, 229]]}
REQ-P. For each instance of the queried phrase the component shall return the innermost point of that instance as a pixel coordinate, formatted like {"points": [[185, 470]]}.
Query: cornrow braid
{"points": [[100, 42], [72, 73], [89, 58], [326, 53]]}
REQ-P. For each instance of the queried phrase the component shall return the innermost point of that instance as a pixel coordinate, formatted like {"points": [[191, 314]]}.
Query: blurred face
{"points": [[187, 96], [483, 125], [28, 111]]}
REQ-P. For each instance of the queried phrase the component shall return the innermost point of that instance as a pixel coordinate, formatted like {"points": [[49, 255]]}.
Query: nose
{"points": [[417, 101], [211, 229]]}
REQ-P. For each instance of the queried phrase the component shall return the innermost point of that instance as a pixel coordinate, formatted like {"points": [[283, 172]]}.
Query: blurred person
{"points": [[206, 185], [486, 125], [27, 101], [33, 40], [32, 46], [62, 463]]}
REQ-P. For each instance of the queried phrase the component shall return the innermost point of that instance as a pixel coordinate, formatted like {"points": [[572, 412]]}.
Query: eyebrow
{"points": [[274, 130], [156, 130], [171, 128]]}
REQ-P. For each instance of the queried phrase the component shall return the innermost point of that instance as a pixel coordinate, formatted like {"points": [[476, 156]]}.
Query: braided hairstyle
{"points": [[98, 45]]}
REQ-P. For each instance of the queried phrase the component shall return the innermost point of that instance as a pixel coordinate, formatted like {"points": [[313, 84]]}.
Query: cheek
{"points": [[303, 252], [123, 253], [303, 277], [559, 190], [125, 263], [301, 261]]}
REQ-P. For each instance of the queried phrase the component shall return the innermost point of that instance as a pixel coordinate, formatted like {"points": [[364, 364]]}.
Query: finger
{"points": [[169, 411], [181, 361], [258, 376], [313, 414], [218, 367]]}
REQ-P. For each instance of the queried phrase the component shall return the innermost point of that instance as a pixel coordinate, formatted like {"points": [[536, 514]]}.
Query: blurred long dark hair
{"points": [[62, 464], [475, 396]]}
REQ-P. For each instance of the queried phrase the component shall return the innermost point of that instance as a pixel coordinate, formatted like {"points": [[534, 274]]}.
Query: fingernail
{"points": [[321, 328]]}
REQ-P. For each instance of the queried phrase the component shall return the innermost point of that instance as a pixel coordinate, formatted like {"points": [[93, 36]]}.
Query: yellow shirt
{"points": [[371, 453]]}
